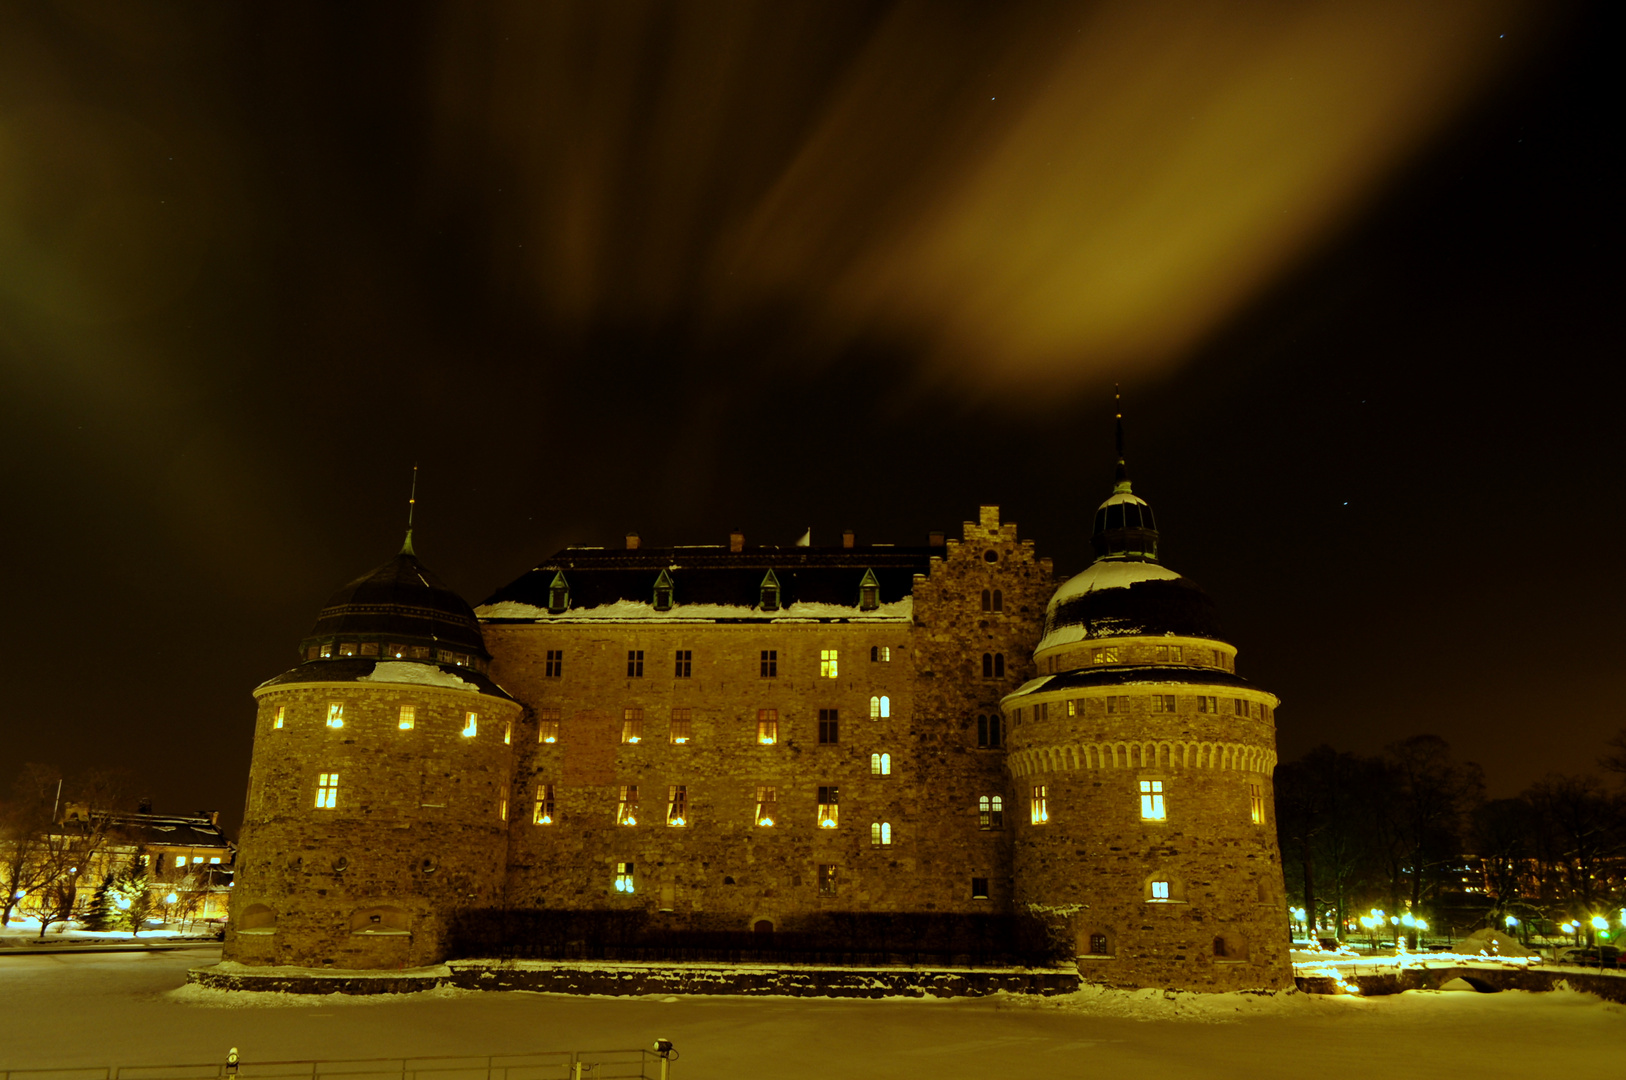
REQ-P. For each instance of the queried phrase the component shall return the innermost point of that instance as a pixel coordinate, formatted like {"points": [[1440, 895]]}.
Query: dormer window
{"points": [[558, 593], [663, 592], [770, 592], [869, 592]]}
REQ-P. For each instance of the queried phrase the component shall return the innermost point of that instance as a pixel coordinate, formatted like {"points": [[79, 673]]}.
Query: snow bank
{"points": [[396, 671], [1489, 942]]}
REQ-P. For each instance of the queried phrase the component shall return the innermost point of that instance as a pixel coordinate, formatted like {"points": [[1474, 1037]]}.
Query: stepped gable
{"points": [[712, 575]]}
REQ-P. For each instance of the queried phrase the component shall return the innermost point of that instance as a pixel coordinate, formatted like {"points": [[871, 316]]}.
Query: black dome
{"points": [[1171, 605], [400, 603]]}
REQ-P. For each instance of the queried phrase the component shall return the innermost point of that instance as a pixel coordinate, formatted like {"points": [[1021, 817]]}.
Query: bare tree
{"points": [[1584, 824], [25, 822], [1423, 825]]}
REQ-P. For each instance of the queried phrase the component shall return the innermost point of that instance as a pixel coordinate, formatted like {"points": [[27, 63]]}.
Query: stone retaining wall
{"points": [[1610, 987]]}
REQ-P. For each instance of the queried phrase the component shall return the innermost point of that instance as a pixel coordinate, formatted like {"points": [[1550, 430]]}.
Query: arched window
{"points": [[989, 735], [999, 600], [880, 708], [1219, 946], [880, 834], [999, 665], [987, 600], [991, 812], [988, 665], [880, 764], [1098, 945]]}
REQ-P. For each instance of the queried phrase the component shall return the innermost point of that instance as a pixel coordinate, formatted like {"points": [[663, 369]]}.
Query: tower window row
{"points": [[1161, 654], [391, 650], [336, 713], [639, 663], [1152, 805], [680, 726], [1126, 704], [629, 812]]}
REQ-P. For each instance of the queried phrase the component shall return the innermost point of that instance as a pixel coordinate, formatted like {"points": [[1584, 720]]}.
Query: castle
{"points": [[750, 736]]}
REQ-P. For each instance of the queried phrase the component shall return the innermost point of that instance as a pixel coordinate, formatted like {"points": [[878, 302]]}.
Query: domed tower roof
{"points": [[1126, 590], [400, 603]]}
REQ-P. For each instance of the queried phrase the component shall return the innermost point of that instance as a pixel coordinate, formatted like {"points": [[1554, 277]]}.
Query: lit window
{"points": [[1162, 703], [282, 712], [677, 805], [395, 650], [545, 811], [683, 664], [991, 812], [408, 717], [1208, 704], [214, 859], [635, 663], [1106, 656], [988, 733], [327, 651], [623, 877], [1177, 653], [471, 725], [180, 860], [555, 664], [681, 727], [1098, 945], [880, 654], [880, 708], [827, 879], [347, 649], [1151, 800], [1160, 890], [327, 790], [626, 812], [335, 714], [829, 727], [880, 764], [1039, 810], [632, 725], [767, 805], [508, 733], [827, 663], [979, 888], [1256, 804], [502, 809], [419, 652], [547, 725], [880, 834], [767, 726], [770, 663], [829, 812]]}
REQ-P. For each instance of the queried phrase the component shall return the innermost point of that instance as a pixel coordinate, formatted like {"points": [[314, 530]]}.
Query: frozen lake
{"points": [[134, 1009]]}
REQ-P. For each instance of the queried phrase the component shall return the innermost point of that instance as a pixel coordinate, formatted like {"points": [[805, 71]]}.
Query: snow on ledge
{"points": [[396, 671], [639, 610]]}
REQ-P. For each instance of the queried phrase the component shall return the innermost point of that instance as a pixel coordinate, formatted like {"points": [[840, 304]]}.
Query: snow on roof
{"points": [[1123, 497], [640, 610], [1111, 574], [392, 671]]}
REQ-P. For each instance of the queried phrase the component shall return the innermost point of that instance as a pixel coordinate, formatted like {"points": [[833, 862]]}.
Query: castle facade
{"points": [[749, 736]]}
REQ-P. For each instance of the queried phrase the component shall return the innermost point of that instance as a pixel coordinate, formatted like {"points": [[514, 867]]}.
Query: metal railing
{"points": [[559, 1065]]}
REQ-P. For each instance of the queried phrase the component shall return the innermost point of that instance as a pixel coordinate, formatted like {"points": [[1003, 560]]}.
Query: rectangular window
{"points": [[502, 809], [1177, 653], [1208, 704], [419, 652], [508, 733], [1117, 705], [829, 811], [770, 663], [471, 725], [827, 879], [408, 717], [684, 664], [1038, 809], [1256, 804], [1107, 655], [1041, 711], [369, 648], [327, 651], [767, 806], [677, 805], [335, 714], [635, 663], [632, 725], [1241, 706], [880, 654], [829, 727], [623, 877], [545, 811], [1074, 709], [1163, 703], [1151, 800], [547, 725], [767, 726], [880, 834], [327, 790], [827, 663], [282, 712], [682, 729], [626, 812], [991, 812], [979, 888], [555, 663], [1160, 890]]}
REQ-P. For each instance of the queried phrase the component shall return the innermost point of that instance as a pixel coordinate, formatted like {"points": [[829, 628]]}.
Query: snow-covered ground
{"points": [[110, 1008]]}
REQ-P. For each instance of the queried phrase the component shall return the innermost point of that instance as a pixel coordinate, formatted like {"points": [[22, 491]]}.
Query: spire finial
{"points": [[1123, 469], [412, 504]]}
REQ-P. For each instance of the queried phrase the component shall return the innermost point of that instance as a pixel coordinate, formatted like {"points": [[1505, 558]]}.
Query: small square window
{"points": [[635, 663], [979, 888], [1107, 656], [1177, 653], [632, 725], [827, 879], [1240, 706], [327, 651], [311, 653], [1098, 945], [1160, 890], [684, 664], [555, 664], [829, 808], [767, 726], [623, 877], [369, 648], [547, 725], [1208, 704], [397, 651], [408, 717], [682, 727], [1163, 703], [880, 654], [347, 648], [829, 727], [828, 663], [770, 663], [419, 652]]}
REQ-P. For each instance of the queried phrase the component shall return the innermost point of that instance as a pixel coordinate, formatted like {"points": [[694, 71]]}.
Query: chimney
{"points": [[736, 541], [846, 538], [934, 539], [632, 541]]}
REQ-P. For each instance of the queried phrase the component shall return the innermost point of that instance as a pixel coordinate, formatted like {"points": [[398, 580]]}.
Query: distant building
{"points": [[744, 737]]}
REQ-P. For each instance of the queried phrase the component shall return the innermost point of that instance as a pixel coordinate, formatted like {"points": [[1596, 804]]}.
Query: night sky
{"points": [[682, 268]]}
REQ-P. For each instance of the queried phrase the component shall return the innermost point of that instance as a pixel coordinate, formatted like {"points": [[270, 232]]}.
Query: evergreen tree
{"points": [[99, 914]]}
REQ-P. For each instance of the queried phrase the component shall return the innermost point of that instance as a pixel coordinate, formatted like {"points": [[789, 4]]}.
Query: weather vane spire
{"points": [[1118, 413], [412, 504]]}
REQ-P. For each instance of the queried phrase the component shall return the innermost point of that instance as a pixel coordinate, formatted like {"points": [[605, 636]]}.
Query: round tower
{"points": [[1142, 763], [378, 793]]}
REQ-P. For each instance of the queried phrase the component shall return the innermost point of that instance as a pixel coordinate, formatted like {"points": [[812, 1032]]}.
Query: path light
{"points": [[1600, 923], [1511, 922], [171, 898]]}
